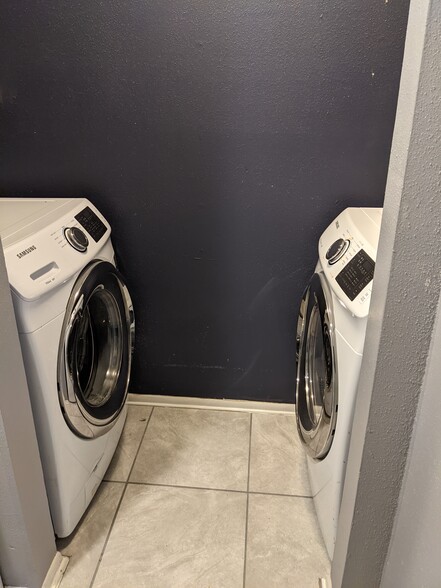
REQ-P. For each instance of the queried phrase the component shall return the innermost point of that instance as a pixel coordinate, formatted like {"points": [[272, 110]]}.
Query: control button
{"points": [[76, 238], [337, 250]]}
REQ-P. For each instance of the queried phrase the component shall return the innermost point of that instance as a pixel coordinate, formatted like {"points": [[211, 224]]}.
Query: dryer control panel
{"points": [[347, 253]]}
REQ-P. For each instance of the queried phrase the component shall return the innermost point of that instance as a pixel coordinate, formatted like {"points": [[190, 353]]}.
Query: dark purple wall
{"points": [[219, 138]]}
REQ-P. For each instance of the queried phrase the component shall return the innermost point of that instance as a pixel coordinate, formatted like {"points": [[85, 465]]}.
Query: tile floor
{"points": [[200, 498]]}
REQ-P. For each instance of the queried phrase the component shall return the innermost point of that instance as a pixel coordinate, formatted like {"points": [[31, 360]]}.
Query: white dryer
{"points": [[76, 325], [331, 330]]}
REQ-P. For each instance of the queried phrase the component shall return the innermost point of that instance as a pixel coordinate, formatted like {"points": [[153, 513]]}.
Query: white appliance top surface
{"points": [[19, 213], [354, 237], [11, 214], [38, 256]]}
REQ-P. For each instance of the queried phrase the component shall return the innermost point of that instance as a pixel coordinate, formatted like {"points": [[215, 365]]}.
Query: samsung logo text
{"points": [[26, 251]]}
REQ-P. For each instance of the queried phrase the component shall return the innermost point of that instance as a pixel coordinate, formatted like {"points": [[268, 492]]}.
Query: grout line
{"points": [[187, 487], [184, 487], [107, 538], [119, 503], [281, 495], [248, 502], [249, 453]]}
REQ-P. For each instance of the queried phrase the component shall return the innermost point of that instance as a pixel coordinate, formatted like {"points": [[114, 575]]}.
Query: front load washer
{"points": [[331, 330], [76, 325]]}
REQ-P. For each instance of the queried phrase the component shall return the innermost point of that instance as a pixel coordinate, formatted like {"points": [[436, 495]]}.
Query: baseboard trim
{"points": [[56, 571], [210, 403]]}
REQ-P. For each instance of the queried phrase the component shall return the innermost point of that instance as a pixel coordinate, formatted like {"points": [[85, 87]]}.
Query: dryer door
{"points": [[94, 357], [317, 394]]}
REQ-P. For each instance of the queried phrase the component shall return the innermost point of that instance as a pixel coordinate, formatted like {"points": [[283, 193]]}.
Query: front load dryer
{"points": [[331, 330], [76, 325]]}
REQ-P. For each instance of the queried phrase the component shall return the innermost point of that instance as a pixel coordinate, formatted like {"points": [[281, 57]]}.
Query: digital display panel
{"points": [[93, 225], [356, 274]]}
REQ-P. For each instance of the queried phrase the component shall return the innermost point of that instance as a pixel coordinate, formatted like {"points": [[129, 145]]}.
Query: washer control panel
{"points": [[53, 244], [347, 253], [92, 223]]}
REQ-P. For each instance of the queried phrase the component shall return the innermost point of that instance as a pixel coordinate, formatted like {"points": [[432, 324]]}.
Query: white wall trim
{"points": [[211, 403], [56, 571]]}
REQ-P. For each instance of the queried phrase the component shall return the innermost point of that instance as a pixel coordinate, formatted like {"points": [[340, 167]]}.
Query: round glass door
{"points": [[95, 350], [316, 395]]}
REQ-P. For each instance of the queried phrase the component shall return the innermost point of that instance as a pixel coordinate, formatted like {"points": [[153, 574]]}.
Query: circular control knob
{"points": [[337, 250], [76, 238]]}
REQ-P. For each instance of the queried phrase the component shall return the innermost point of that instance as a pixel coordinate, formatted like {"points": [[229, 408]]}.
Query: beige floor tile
{"points": [[85, 544], [190, 447], [120, 466], [284, 545], [278, 460], [175, 537]]}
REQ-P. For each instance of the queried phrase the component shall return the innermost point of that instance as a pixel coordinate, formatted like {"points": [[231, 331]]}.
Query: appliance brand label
{"points": [[26, 251]]}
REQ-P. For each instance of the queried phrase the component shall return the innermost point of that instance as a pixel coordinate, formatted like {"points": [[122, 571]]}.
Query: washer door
{"points": [[95, 351], [317, 394]]}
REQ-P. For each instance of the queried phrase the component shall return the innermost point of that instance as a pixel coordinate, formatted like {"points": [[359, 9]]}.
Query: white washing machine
{"points": [[331, 330], [76, 326]]}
